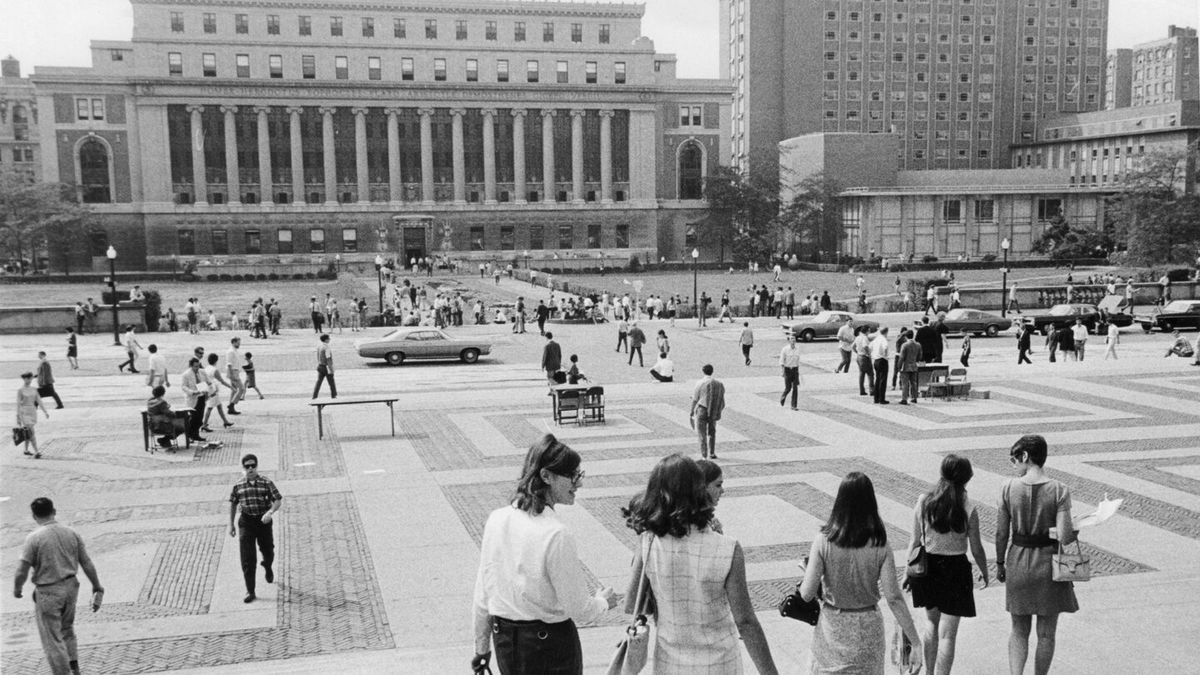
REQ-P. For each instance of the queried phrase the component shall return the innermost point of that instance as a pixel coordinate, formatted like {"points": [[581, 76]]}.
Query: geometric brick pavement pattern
{"points": [[329, 601], [1151, 470]]}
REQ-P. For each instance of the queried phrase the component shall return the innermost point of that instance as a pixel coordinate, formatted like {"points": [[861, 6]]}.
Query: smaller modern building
{"points": [[18, 122], [944, 213]]}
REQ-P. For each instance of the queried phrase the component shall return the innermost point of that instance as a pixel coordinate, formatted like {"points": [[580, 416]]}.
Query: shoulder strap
{"points": [[639, 603]]}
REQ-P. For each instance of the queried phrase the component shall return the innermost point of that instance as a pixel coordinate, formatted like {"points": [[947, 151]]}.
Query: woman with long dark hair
{"points": [[531, 587], [1030, 505], [848, 564], [697, 577], [945, 523]]}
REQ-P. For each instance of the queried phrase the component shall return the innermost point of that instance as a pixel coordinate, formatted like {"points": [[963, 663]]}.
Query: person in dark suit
{"points": [[931, 343], [906, 362], [1023, 345], [708, 401], [551, 359]]}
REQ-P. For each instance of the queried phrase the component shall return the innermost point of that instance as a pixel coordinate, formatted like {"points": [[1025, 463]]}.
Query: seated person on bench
{"points": [[163, 420]]}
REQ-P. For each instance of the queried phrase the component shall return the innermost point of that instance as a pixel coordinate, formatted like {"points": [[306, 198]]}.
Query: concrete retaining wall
{"points": [[32, 320]]}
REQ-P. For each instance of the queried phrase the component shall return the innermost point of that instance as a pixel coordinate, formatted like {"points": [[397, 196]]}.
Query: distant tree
{"points": [[743, 214], [1062, 241], [35, 215], [1153, 217], [813, 216]]}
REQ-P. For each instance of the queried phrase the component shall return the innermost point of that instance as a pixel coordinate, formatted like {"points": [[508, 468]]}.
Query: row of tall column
{"points": [[489, 115]]}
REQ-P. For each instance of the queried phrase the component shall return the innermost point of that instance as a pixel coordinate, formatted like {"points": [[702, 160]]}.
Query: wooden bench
{"points": [[183, 414], [320, 406]]}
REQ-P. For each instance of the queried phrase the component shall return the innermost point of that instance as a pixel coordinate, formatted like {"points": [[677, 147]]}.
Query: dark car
{"points": [[1065, 315], [975, 322], [825, 325], [1177, 314]]}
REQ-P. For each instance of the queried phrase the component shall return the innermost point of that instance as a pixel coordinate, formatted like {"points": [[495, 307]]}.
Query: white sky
{"points": [[57, 32]]}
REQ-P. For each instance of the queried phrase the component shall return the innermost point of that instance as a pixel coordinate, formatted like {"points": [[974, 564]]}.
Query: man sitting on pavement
{"points": [[663, 369]]}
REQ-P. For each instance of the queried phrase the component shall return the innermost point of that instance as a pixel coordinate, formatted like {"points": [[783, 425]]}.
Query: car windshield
{"points": [[1062, 310], [1180, 306]]}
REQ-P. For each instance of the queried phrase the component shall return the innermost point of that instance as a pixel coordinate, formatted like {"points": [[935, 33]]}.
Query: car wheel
{"points": [[470, 355], [1146, 327], [992, 330], [1166, 326], [395, 358], [807, 336]]}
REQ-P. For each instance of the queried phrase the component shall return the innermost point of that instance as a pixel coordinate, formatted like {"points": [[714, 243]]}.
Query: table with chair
{"points": [[953, 384], [581, 403], [928, 373]]}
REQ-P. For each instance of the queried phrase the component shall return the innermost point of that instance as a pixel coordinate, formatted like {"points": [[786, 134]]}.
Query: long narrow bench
{"points": [[320, 406]]}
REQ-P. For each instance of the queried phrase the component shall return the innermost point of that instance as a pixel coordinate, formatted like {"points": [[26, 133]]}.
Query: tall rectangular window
{"points": [[335, 26], [430, 29], [477, 237], [220, 242], [502, 70], [605, 34], [508, 240], [537, 237], [253, 242], [272, 24], [243, 65], [83, 110], [593, 235], [406, 68], [368, 27], [186, 242], [210, 22], [589, 72], [531, 71], [622, 236], [619, 72], [308, 67], [283, 240], [472, 70], [305, 25], [208, 64], [563, 76], [489, 30], [241, 23], [985, 210], [519, 31], [349, 240], [439, 70], [548, 31], [316, 240], [374, 68], [566, 236], [341, 67], [952, 211], [460, 29], [176, 22], [275, 61], [576, 32], [174, 63], [399, 28]]}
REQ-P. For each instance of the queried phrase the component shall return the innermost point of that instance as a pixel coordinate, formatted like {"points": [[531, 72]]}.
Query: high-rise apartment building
{"points": [[1152, 73], [958, 81], [1118, 78]]}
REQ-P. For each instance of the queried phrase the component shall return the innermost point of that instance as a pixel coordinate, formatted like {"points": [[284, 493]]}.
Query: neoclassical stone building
{"points": [[300, 130]]}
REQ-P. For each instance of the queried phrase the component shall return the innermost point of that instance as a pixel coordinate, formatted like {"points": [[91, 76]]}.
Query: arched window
{"points": [[691, 174], [93, 173]]}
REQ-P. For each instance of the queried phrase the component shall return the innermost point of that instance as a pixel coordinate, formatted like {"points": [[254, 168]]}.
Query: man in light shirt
{"points": [[1111, 341], [157, 374], [789, 360], [233, 370], [664, 369], [862, 355], [845, 337], [746, 340], [880, 351], [1080, 333]]}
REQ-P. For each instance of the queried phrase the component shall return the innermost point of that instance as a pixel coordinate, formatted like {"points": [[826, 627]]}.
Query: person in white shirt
{"points": [[233, 369], [664, 369], [1013, 304], [862, 356], [1110, 342], [789, 361], [157, 374], [1080, 333], [880, 352], [530, 589]]}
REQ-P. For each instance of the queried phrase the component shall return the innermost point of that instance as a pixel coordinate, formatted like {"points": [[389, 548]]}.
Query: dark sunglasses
{"points": [[249, 466]]}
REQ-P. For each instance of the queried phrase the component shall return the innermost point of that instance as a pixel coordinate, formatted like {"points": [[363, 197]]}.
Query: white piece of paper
{"points": [[1106, 509]]}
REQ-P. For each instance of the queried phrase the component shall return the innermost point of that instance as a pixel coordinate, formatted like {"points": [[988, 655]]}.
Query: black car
{"points": [[1065, 315], [1177, 314]]}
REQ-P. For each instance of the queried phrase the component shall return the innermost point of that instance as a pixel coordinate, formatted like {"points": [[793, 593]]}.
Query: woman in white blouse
{"points": [[531, 589]]}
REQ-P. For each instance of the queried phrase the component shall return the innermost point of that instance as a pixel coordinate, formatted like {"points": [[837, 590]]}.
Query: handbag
{"points": [[634, 647], [794, 606], [1070, 566], [918, 558], [19, 435]]}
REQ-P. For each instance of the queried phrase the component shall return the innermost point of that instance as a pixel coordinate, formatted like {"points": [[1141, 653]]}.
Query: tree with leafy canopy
{"points": [[1063, 241], [1153, 216], [813, 216], [743, 214], [35, 215]]}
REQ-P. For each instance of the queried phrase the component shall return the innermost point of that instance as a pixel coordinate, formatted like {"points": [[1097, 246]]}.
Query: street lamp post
{"points": [[695, 284], [1004, 279], [379, 280], [112, 288]]}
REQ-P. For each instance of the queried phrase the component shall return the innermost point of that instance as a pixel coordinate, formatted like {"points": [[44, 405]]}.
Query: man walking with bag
{"points": [[45, 378]]}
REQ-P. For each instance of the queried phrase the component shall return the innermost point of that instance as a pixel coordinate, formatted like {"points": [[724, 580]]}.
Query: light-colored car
{"points": [[825, 325], [421, 343]]}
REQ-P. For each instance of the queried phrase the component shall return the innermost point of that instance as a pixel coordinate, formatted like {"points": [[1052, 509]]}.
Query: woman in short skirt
{"points": [[946, 523]]}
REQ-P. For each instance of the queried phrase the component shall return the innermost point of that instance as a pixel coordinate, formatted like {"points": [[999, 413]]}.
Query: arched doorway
{"points": [[94, 184], [691, 172]]}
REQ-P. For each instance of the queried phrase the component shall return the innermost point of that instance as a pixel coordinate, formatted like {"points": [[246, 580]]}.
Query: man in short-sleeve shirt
{"points": [[258, 499]]}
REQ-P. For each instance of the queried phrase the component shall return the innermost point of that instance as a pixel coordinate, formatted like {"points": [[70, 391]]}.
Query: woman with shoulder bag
{"points": [[697, 578], [849, 563], [531, 587], [945, 523], [1030, 505]]}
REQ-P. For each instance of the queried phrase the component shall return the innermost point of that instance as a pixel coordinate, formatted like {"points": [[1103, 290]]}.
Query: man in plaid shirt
{"points": [[259, 500]]}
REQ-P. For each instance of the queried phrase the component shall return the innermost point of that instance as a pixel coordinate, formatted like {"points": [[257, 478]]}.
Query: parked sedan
{"points": [[1065, 315], [1177, 314], [976, 322], [825, 325], [422, 343]]}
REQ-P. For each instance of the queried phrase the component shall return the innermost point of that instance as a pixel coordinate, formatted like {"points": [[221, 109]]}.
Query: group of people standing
{"points": [[531, 590]]}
